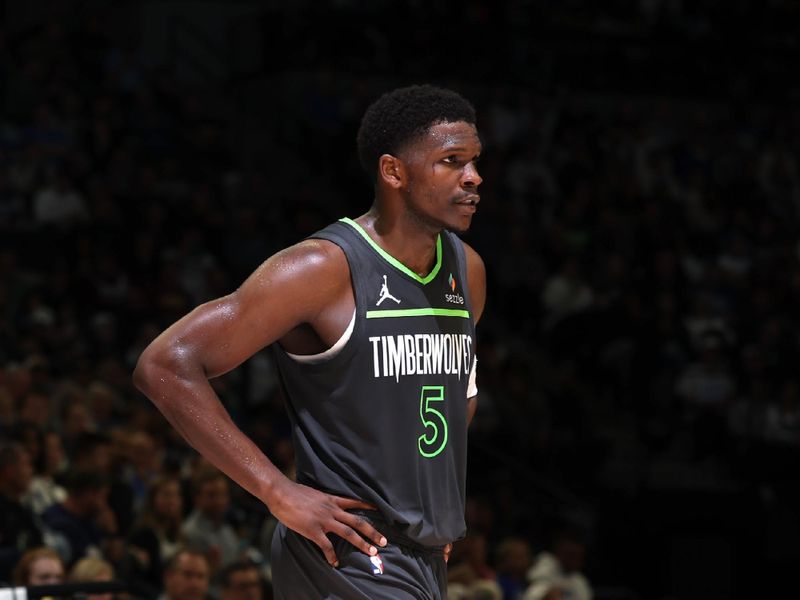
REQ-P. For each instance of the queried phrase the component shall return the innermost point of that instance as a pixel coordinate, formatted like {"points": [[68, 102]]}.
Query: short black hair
{"points": [[401, 115], [170, 564], [87, 442], [226, 573], [80, 480]]}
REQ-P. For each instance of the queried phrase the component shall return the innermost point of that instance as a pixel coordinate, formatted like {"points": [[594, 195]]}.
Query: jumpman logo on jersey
{"points": [[385, 294]]}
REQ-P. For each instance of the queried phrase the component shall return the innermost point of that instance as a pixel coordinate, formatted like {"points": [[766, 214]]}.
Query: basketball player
{"points": [[372, 321]]}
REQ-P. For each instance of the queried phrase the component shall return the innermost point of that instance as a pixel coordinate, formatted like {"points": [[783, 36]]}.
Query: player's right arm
{"points": [[295, 288]]}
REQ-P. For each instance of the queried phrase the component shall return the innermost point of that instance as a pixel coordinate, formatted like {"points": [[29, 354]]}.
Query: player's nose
{"points": [[470, 177]]}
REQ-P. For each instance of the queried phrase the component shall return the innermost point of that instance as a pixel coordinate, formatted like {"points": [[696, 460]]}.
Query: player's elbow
{"points": [[156, 368], [143, 373]]}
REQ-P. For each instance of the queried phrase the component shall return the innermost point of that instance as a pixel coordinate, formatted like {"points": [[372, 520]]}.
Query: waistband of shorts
{"points": [[393, 533]]}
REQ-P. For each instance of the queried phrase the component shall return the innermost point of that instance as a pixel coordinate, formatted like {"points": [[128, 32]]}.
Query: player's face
{"points": [[442, 178]]}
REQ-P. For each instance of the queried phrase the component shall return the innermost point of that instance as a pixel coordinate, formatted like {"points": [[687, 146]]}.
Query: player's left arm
{"points": [[476, 281]]}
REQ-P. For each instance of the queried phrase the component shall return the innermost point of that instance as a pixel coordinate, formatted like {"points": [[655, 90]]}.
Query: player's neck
{"points": [[407, 240]]}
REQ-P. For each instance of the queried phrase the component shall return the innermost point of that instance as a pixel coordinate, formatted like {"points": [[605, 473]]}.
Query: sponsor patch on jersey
{"points": [[455, 297], [377, 565]]}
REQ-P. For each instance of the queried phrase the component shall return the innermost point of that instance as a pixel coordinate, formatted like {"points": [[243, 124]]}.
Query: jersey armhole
{"points": [[312, 359]]}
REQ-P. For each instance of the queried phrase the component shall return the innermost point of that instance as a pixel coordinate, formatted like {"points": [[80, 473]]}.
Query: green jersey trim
{"points": [[396, 263], [417, 312]]}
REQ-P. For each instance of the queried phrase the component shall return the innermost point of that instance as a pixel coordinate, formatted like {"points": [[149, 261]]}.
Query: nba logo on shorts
{"points": [[377, 565]]}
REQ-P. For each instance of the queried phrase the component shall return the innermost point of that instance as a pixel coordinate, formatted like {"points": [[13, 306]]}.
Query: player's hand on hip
{"points": [[314, 514]]}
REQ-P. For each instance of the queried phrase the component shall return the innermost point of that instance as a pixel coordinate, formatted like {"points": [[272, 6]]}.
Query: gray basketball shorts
{"points": [[398, 572]]}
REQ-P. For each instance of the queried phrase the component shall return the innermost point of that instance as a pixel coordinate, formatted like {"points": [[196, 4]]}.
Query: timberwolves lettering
{"points": [[421, 354]]}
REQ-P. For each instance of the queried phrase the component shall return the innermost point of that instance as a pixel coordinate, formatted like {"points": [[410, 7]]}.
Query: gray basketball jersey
{"points": [[384, 420]]}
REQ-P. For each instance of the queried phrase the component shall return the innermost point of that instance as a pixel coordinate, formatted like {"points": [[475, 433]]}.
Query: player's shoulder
{"points": [[301, 271], [313, 255]]}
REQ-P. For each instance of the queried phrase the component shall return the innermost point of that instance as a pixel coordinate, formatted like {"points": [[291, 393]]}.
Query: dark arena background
{"points": [[639, 353]]}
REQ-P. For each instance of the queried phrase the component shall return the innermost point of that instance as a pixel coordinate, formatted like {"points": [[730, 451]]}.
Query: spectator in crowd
{"points": [[242, 580], [558, 573], [44, 489], [59, 202], [480, 589], [83, 520], [141, 463], [19, 530], [98, 451], [35, 409], [512, 561], [186, 576], [92, 569], [105, 404], [76, 419], [207, 527], [39, 566], [469, 563], [156, 534]]}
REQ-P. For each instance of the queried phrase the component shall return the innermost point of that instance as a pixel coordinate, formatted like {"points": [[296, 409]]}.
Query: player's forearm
{"points": [[186, 399]]}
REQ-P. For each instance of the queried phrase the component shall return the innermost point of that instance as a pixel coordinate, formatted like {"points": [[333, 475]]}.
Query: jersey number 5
{"points": [[433, 441]]}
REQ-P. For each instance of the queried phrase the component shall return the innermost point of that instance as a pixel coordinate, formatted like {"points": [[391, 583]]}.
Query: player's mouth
{"points": [[470, 200]]}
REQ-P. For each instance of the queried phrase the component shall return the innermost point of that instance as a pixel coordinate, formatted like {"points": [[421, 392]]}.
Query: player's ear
{"points": [[391, 170]]}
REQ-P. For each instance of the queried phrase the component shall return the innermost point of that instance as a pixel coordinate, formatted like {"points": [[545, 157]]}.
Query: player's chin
{"points": [[461, 225]]}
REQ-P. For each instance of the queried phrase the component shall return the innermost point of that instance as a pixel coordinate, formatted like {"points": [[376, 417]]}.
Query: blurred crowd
{"points": [[639, 396]]}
